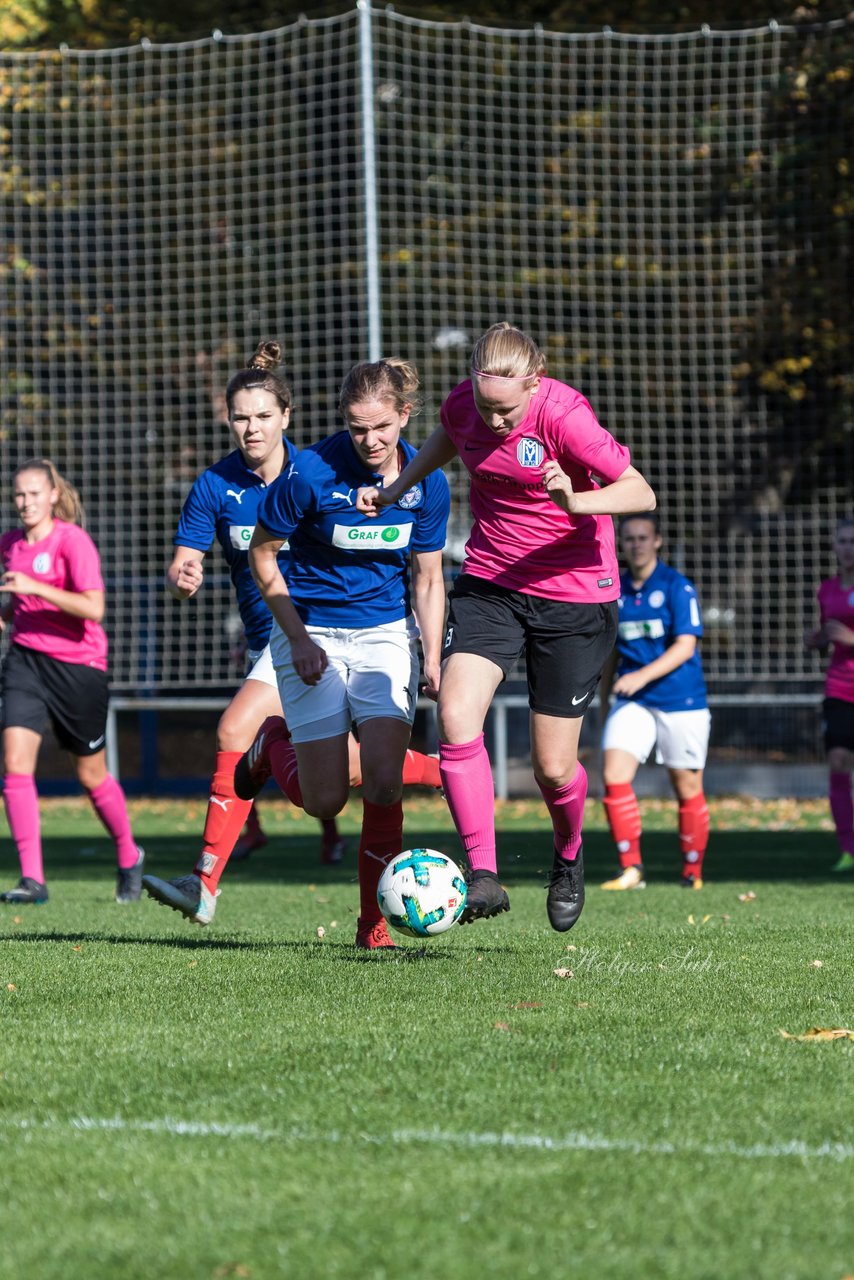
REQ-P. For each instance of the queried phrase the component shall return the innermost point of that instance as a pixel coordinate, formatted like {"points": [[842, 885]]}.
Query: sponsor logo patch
{"points": [[369, 537], [41, 564], [605, 582]]}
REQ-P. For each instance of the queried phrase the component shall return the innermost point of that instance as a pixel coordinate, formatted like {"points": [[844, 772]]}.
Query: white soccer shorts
{"points": [[680, 738], [372, 673], [261, 667]]}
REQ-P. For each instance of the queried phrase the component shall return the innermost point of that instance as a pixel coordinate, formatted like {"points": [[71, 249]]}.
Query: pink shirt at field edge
{"points": [[837, 602], [520, 538], [68, 559]]}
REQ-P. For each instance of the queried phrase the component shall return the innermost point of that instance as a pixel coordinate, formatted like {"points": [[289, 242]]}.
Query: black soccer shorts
{"points": [[565, 644]]}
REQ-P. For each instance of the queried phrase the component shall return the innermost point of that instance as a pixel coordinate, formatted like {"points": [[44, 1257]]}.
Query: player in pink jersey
{"points": [[56, 670], [836, 630], [540, 577]]}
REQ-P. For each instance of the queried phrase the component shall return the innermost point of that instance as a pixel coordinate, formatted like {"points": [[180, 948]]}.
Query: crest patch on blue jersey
{"points": [[529, 452], [412, 498]]}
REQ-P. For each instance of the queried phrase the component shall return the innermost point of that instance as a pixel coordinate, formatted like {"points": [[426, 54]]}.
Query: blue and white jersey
{"points": [[651, 617], [223, 506], [347, 569]]}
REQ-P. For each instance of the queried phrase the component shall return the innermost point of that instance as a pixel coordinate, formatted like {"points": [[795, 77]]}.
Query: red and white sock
{"points": [[623, 814], [283, 762], [21, 802], [223, 821], [381, 840], [693, 834], [109, 803], [470, 793], [566, 806]]}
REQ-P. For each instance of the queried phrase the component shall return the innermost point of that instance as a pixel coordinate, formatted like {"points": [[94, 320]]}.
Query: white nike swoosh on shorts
{"points": [[97, 742]]}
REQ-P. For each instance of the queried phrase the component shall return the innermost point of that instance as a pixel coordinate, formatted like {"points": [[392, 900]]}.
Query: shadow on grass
{"points": [[523, 855], [342, 952]]}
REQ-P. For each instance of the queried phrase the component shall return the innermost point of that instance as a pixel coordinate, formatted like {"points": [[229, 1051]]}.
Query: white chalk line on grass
{"points": [[836, 1151]]}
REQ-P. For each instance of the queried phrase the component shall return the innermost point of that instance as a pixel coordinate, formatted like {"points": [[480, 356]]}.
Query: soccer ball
{"points": [[422, 893]]}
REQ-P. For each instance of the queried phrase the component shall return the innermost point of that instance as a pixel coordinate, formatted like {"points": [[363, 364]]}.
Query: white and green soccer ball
{"points": [[422, 893]]}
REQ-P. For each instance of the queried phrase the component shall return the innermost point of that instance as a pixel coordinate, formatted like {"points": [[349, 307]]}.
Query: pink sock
{"points": [[108, 801], [22, 812], [842, 810], [566, 806], [470, 793]]}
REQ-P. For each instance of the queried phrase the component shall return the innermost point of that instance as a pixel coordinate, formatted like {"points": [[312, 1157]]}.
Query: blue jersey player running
{"points": [[660, 702], [222, 506], [356, 594]]}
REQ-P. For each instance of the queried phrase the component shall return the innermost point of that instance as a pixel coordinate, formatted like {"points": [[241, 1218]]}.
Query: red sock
{"points": [[382, 838], [223, 822], [108, 801], [470, 793], [421, 769], [623, 814], [253, 821], [22, 811], [283, 762], [566, 806], [693, 833]]}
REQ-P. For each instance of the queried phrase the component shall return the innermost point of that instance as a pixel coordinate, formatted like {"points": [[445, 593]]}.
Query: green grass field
{"points": [[256, 1100]]}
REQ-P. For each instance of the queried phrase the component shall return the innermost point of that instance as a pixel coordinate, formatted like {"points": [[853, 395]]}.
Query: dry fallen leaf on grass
{"points": [[816, 964], [563, 973], [747, 897], [502, 1026], [821, 1033], [321, 932], [10, 986]]}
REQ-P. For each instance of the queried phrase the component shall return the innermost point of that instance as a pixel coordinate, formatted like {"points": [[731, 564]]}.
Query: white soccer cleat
{"points": [[631, 878], [187, 894]]}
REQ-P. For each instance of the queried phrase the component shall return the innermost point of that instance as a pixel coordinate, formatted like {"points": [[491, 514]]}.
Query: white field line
{"points": [[836, 1151]]}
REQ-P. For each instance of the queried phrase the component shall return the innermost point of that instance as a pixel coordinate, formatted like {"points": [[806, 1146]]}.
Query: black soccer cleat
{"points": [[129, 880], [485, 896], [27, 892], [566, 893]]}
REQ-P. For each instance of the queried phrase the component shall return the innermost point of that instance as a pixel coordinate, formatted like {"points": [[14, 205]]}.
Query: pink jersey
{"points": [[837, 602], [520, 538], [68, 559]]}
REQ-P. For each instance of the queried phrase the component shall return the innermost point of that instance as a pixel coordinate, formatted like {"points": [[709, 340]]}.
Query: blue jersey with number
{"points": [[348, 569], [223, 506], [651, 617]]}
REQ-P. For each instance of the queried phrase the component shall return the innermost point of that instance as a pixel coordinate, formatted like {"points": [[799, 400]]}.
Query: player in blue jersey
{"points": [[660, 702], [222, 507], [356, 595]]}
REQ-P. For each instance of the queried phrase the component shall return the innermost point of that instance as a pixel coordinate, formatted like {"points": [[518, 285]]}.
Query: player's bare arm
{"points": [[309, 659], [627, 494], [77, 604], [186, 573], [435, 453], [838, 633], [428, 604], [682, 649]]}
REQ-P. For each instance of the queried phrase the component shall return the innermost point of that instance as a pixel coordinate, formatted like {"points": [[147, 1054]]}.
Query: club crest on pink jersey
{"points": [[529, 452]]}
